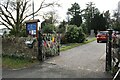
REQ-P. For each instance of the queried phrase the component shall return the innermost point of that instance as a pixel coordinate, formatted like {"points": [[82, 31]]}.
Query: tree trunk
{"points": [[17, 18]]}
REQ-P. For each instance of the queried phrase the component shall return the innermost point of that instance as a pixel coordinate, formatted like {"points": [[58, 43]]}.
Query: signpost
{"points": [[32, 29]]}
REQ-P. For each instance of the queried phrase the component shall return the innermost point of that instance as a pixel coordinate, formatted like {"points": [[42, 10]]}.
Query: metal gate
{"points": [[113, 54]]}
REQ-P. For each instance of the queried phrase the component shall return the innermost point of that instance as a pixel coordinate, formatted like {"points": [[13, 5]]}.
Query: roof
{"points": [[32, 21]]}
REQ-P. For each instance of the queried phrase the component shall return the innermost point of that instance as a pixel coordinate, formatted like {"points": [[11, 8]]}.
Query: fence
{"points": [[113, 54], [116, 52]]}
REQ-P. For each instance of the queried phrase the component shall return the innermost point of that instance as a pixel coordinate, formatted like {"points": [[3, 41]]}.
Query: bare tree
{"points": [[13, 13], [51, 16]]}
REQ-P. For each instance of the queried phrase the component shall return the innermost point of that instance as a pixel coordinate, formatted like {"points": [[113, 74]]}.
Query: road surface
{"points": [[86, 61]]}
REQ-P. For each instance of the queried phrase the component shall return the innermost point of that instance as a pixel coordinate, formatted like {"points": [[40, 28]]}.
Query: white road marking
{"points": [[103, 56]]}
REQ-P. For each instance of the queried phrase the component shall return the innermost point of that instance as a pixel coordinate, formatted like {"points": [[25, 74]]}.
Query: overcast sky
{"points": [[102, 5]]}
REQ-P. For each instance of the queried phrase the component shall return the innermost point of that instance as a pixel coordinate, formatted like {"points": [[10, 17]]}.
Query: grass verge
{"points": [[72, 45], [14, 63]]}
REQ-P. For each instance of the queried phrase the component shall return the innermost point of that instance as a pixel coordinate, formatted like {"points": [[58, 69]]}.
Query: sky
{"points": [[102, 5]]}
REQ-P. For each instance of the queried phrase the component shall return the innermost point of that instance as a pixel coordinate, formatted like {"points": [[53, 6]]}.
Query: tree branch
{"points": [[7, 18], [23, 9], [9, 13], [42, 5], [2, 23], [35, 11]]}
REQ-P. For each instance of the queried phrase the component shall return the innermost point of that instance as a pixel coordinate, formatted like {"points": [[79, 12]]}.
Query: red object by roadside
{"points": [[102, 36]]}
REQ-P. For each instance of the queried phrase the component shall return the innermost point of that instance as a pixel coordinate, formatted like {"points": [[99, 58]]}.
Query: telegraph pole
{"points": [[33, 8]]}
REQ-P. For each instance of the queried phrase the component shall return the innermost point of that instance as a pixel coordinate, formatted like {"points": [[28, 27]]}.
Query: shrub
{"points": [[82, 35], [48, 28], [84, 28], [63, 39], [75, 34], [21, 33]]}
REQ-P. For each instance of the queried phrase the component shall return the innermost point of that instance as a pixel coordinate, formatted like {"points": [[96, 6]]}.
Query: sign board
{"points": [[32, 27]]}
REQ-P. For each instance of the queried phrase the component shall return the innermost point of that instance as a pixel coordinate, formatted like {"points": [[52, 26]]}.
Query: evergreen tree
{"points": [[98, 22], [89, 13], [75, 12]]}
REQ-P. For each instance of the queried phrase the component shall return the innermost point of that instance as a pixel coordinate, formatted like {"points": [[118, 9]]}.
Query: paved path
{"points": [[89, 57], [86, 61]]}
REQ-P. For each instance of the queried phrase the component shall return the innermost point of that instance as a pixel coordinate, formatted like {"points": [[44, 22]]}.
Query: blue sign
{"points": [[31, 28]]}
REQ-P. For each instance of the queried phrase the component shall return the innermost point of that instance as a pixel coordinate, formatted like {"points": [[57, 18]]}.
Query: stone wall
{"points": [[15, 46]]}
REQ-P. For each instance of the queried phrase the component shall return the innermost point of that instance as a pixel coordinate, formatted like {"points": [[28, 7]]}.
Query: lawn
{"points": [[72, 45], [14, 63]]}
